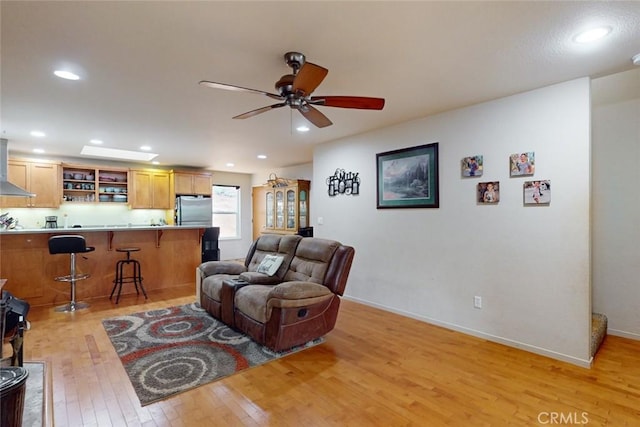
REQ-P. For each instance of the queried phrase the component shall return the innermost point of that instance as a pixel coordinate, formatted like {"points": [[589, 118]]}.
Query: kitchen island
{"points": [[168, 256]]}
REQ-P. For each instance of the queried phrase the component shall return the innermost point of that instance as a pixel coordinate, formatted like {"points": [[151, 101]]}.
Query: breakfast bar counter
{"points": [[168, 255]]}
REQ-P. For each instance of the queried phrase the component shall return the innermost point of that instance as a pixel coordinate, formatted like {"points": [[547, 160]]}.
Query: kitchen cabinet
{"points": [[192, 184], [286, 206], [112, 185], [150, 189], [39, 178], [86, 184]]}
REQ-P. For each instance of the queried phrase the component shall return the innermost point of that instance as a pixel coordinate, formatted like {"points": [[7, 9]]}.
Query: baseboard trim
{"points": [[583, 363], [624, 334]]}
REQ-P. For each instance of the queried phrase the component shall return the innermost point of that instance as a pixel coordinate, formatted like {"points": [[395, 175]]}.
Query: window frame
{"points": [[237, 212]]}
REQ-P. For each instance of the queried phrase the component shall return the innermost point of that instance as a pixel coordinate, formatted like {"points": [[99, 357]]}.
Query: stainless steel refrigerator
{"points": [[193, 210]]}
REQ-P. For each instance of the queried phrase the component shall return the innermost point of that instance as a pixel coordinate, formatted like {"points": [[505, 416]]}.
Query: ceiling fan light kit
{"points": [[295, 89]]}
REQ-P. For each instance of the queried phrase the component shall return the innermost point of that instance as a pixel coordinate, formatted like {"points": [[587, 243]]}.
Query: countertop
{"points": [[93, 228]]}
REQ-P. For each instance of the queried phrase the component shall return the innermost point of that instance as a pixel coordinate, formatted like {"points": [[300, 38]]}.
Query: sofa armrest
{"points": [[297, 290], [295, 295], [256, 278], [210, 268]]}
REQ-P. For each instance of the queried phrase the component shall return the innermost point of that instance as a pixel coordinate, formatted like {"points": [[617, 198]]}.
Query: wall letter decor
{"points": [[342, 182]]}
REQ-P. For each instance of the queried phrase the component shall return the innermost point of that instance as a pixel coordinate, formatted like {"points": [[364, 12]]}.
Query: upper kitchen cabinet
{"points": [[89, 184], [150, 189], [40, 178], [192, 183]]}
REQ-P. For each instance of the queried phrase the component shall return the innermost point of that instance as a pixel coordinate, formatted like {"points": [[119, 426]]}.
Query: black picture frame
{"points": [[408, 178]]}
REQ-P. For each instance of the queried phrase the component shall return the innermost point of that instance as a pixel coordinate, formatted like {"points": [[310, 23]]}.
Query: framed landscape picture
{"points": [[408, 178], [537, 192]]}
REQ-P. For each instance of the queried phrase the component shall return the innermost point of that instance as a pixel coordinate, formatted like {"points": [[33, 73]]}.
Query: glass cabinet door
{"points": [[291, 209], [303, 209], [279, 209], [270, 210]]}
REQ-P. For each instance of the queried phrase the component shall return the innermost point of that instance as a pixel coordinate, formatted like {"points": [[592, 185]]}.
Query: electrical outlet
{"points": [[477, 302]]}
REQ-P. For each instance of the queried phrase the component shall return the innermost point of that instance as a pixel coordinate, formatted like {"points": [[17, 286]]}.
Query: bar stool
{"points": [[73, 245], [136, 279]]}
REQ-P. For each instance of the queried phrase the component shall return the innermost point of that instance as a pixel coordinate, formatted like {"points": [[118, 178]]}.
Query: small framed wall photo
{"points": [[537, 192], [472, 166], [489, 192], [408, 178], [522, 164]]}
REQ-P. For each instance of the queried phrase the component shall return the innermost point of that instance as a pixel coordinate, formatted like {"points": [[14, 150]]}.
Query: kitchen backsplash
{"points": [[89, 215]]}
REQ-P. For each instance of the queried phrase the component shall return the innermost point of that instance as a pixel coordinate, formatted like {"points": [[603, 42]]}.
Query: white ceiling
{"points": [[140, 64]]}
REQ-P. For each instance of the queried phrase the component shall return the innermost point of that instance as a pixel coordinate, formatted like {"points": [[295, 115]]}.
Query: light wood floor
{"points": [[375, 368]]}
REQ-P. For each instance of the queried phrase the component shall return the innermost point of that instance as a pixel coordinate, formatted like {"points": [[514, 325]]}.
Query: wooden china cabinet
{"points": [[284, 206]]}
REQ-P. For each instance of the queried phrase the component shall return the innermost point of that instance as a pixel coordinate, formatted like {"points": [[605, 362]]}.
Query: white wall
{"points": [[616, 201], [303, 171], [530, 265]]}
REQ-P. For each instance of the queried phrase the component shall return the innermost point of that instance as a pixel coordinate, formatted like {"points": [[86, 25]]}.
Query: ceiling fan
{"points": [[294, 90]]}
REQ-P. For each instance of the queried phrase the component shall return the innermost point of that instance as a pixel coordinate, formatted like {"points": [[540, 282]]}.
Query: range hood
{"points": [[7, 188]]}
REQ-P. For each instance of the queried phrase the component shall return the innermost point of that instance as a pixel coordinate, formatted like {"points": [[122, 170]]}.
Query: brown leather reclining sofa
{"points": [[298, 303]]}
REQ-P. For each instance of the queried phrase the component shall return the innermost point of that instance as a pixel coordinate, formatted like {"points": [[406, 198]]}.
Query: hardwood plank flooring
{"points": [[375, 369]]}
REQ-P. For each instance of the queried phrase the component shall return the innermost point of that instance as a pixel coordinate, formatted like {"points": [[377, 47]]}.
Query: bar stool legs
{"points": [[136, 278], [72, 278]]}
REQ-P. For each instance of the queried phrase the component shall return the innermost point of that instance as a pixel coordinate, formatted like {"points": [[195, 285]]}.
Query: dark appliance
{"points": [[194, 211], [210, 249], [305, 232], [50, 222]]}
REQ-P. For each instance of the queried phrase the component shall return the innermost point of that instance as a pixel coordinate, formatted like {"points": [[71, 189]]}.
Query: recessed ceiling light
{"points": [[636, 59], [302, 128], [145, 148], [592, 35], [38, 150], [96, 141], [230, 165], [38, 134], [68, 75], [262, 156], [113, 153]]}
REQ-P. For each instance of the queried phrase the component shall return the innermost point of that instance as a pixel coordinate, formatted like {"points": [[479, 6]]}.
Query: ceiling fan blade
{"points": [[259, 111], [308, 78], [315, 116], [361, 102], [225, 86]]}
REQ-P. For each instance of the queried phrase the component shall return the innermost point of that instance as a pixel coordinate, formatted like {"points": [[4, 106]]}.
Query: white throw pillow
{"points": [[270, 264]]}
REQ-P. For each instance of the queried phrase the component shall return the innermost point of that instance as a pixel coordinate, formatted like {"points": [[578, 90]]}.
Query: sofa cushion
{"points": [[272, 244], [257, 301], [256, 278], [252, 301], [311, 260], [211, 286]]}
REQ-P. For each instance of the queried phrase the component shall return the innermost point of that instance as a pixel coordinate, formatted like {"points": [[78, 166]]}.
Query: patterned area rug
{"points": [[172, 350]]}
